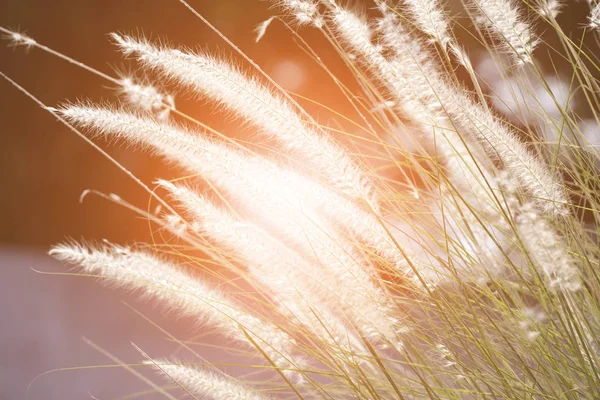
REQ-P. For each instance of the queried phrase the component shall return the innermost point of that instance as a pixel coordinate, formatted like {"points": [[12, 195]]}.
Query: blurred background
{"points": [[45, 168]]}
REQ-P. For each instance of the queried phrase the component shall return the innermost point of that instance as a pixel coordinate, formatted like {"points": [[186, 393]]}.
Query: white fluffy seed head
{"points": [[304, 11], [594, 18], [261, 29], [504, 20], [160, 279], [431, 18], [550, 8], [351, 26], [146, 98], [260, 105], [20, 39], [547, 249], [398, 77], [500, 141], [196, 153], [413, 75], [205, 383]]}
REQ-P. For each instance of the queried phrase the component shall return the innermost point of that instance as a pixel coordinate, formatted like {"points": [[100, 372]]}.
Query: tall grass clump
{"points": [[442, 244]]}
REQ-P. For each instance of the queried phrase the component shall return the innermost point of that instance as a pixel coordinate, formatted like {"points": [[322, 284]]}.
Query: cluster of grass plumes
{"points": [[465, 266]]}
